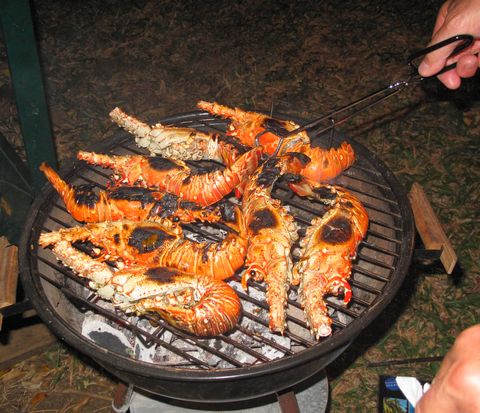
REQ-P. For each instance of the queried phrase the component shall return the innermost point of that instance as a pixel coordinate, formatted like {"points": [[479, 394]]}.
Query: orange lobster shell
{"points": [[175, 176], [196, 304], [133, 203], [327, 250], [251, 129]]}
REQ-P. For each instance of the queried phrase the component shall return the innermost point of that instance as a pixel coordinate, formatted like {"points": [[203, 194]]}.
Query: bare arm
{"points": [[455, 17], [456, 387]]}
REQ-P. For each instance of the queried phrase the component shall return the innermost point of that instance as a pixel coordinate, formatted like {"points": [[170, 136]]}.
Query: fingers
{"points": [[467, 65], [450, 79], [435, 61]]}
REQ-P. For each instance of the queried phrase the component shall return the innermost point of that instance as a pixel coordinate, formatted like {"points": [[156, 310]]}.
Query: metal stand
{"points": [[310, 396], [122, 398]]}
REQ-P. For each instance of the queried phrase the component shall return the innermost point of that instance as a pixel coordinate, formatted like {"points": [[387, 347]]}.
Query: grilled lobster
{"points": [[125, 202], [271, 232], [253, 129], [156, 244], [327, 250], [175, 176], [196, 304], [179, 143]]}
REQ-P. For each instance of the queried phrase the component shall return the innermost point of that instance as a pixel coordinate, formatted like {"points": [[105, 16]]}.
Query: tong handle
{"points": [[376, 97], [466, 41]]}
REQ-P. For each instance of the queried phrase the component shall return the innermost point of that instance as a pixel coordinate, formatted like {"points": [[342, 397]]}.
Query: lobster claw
{"points": [[253, 271], [337, 286]]}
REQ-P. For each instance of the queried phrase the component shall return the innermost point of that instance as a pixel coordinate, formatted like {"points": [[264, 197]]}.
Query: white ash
{"points": [[123, 341], [100, 331]]}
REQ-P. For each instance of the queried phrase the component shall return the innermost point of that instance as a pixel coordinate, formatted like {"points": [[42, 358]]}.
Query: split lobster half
{"points": [[271, 233], [156, 244], [179, 143], [253, 129], [196, 304], [176, 177], [327, 250], [126, 202]]}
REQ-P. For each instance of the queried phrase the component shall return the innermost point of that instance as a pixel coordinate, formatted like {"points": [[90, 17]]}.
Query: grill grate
{"points": [[379, 267]]}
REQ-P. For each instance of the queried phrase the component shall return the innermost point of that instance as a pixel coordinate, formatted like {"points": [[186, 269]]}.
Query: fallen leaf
{"points": [[38, 398]]}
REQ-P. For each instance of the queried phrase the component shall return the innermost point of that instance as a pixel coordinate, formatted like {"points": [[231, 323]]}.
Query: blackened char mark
{"points": [[132, 193], [325, 195], [239, 147], [200, 170], [275, 126], [292, 178], [227, 210], [85, 195], [269, 174], [165, 207], [161, 274], [263, 218], [162, 164], [336, 231], [147, 238], [304, 159], [88, 248]]}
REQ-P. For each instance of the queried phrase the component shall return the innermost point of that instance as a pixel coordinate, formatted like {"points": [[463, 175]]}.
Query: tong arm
{"points": [[378, 96]]}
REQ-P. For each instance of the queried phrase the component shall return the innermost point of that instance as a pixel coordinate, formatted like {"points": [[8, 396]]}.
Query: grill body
{"points": [[246, 363]]}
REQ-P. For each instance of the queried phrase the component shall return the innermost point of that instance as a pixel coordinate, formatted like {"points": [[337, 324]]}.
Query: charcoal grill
{"points": [[246, 363]]}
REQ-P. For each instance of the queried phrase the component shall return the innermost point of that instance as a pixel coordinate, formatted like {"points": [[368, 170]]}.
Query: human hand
{"points": [[456, 387], [454, 17]]}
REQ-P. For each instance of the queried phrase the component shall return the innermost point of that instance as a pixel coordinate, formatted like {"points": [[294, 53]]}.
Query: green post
{"points": [[25, 72]]}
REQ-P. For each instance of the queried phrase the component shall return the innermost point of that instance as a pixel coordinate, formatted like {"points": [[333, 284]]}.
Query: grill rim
{"points": [[34, 290]]}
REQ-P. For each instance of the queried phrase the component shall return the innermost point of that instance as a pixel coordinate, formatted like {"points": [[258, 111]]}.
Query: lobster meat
{"points": [[196, 304], [327, 250], [175, 176], [132, 203], [157, 244], [179, 143], [271, 232], [253, 129]]}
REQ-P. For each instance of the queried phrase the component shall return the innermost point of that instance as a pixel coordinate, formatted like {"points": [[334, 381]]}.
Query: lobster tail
{"points": [[65, 190], [327, 164]]}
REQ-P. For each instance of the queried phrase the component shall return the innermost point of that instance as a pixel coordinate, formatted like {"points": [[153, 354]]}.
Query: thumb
{"points": [[436, 60]]}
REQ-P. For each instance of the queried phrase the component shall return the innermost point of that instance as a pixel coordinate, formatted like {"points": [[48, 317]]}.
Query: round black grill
{"points": [[250, 361]]}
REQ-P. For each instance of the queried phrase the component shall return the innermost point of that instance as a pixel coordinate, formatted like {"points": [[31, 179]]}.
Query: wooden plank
{"points": [[430, 228], [24, 342], [8, 274]]}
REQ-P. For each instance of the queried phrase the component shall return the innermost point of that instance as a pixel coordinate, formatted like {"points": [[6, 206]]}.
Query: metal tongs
{"points": [[372, 99]]}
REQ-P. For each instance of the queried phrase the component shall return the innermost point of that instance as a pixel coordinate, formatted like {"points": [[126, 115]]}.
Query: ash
{"points": [[249, 344]]}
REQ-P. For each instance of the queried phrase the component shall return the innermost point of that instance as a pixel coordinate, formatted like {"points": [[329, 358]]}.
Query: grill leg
{"points": [[121, 398], [288, 402]]}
